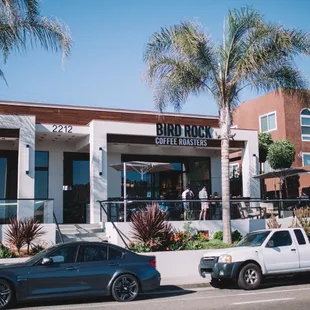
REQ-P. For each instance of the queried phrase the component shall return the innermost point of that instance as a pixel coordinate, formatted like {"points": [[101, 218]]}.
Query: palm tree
{"points": [[22, 26], [182, 60]]}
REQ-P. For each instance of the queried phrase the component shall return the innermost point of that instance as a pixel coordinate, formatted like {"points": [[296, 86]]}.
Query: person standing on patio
{"points": [[203, 195], [186, 196]]}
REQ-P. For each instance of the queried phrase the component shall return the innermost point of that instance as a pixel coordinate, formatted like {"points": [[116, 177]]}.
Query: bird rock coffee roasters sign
{"points": [[183, 135]]}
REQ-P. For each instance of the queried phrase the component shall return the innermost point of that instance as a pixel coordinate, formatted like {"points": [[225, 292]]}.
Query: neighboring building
{"points": [[285, 118], [65, 152]]}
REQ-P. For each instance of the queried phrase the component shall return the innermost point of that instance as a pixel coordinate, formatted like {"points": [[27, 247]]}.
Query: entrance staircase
{"points": [[81, 232]]}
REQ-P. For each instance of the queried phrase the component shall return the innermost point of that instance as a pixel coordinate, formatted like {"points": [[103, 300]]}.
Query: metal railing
{"points": [[58, 228], [180, 210], [41, 209]]}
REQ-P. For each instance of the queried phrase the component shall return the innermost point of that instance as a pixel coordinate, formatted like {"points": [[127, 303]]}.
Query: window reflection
{"points": [[3, 173], [41, 174], [170, 183], [81, 172]]}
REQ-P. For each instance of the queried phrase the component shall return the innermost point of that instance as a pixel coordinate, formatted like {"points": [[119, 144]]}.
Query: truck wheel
{"points": [[250, 277]]}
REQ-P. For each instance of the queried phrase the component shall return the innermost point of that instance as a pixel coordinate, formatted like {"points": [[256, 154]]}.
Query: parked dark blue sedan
{"points": [[79, 269]]}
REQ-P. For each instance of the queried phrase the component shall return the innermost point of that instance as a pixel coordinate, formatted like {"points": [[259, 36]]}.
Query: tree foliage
{"points": [[22, 26], [264, 141], [281, 154], [183, 60]]}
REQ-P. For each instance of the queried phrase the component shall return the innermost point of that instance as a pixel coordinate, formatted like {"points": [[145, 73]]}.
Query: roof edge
{"points": [[100, 109]]}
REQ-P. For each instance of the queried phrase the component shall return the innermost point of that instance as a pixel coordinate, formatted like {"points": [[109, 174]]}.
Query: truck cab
{"points": [[259, 254]]}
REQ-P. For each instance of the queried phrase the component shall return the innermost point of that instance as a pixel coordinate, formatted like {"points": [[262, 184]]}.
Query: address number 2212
{"points": [[62, 128]]}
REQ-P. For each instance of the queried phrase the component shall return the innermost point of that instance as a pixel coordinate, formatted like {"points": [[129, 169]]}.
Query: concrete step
{"points": [[81, 232]]}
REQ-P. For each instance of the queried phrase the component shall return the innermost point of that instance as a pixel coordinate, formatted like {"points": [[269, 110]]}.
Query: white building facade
{"points": [[64, 153]]}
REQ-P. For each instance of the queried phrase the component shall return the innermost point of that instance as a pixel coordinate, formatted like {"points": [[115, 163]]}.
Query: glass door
{"points": [[76, 188]]}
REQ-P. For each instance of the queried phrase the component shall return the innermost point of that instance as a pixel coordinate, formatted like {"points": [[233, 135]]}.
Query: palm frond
{"points": [[29, 7], [49, 33], [180, 61], [22, 26]]}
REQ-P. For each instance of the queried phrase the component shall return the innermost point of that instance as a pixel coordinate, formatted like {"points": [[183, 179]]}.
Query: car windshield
{"points": [[254, 239]]}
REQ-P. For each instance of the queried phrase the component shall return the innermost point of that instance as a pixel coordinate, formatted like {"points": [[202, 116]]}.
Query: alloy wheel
{"points": [[250, 276], [126, 288], [5, 294]]}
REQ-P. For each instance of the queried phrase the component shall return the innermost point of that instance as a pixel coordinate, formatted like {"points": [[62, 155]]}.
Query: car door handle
{"points": [[113, 264], [294, 250], [71, 268]]}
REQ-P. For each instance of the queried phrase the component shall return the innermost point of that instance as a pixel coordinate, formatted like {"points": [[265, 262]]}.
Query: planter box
{"points": [[243, 226], [178, 264], [13, 260]]}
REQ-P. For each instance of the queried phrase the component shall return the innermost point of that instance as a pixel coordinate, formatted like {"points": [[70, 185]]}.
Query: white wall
{"points": [[114, 176], [47, 239], [25, 186], [98, 163], [243, 226], [251, 187]]}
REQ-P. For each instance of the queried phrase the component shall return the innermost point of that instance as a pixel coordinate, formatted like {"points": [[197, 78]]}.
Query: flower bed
{"points": [[21, 239], [152, 233]]}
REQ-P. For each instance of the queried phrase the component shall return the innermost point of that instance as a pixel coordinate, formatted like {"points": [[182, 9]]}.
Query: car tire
{"points": [[7, 295], [250, 277], [125, 288]]}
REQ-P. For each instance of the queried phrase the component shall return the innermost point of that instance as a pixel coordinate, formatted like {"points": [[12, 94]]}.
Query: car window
{"points": [[300, 237], [93, 253], [281, 238], [115, 254], [66, 255]]}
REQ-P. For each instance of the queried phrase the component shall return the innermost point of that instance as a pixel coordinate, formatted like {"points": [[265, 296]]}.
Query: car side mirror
{"points": [[270, 244], [47, 261]]}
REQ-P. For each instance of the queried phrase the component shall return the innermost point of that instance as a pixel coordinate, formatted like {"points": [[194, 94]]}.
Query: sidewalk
{"points": [[187, 281]]}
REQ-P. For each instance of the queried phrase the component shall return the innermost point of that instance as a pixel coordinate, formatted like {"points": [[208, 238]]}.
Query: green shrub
{"points": [[5, 252], [236, 236], [218, 235], [281, 154]]}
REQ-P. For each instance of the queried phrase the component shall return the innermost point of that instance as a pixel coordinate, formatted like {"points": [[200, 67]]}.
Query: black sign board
{"points": [[183, 135]]}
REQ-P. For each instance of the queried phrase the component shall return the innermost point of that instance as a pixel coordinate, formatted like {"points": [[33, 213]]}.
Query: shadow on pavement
{"points": [[268, 283], [286, 281], [162, 292]]}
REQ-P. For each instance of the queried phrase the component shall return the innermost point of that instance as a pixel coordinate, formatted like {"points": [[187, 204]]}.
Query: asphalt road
{"points": [[272, 297]]}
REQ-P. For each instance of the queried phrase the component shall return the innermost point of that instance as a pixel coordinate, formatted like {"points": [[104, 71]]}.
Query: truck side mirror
{"points": [[270, 244]]}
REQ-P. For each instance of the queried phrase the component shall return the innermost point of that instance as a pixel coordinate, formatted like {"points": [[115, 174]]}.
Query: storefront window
{"points": [[198, 174], [169, 183], [41, 175]]}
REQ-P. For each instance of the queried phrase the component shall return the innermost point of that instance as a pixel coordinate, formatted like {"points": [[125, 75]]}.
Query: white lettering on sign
{"points": [[180, 141], [62, 128]]}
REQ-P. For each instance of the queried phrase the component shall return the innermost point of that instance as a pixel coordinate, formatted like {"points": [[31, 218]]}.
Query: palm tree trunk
{"points": [[225, 123]]}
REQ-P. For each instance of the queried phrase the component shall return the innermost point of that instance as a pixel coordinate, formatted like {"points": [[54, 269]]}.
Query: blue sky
{"points": [[105, 67]]}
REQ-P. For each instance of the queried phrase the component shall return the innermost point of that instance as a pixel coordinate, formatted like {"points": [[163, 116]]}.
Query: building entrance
{"points": [[76, 195]]}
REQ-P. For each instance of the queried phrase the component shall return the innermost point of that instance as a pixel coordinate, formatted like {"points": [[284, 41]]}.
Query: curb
{"points": [[178, 287], [194, 285]]}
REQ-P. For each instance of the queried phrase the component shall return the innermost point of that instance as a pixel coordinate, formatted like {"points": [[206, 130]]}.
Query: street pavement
{"points": [[284, 295]]}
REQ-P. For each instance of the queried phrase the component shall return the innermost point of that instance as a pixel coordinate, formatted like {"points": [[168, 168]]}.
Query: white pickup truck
{"points": [[259, 254]]}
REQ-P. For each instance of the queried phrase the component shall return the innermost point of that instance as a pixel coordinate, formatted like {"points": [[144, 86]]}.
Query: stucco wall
{"points": [[243, 226]]}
